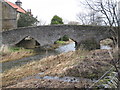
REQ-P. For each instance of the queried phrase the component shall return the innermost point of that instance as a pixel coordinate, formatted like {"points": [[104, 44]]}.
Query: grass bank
{"points": [[15, 53], [86, 64]]}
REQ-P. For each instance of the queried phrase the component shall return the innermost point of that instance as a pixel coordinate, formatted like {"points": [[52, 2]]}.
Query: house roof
{"points": [[19, 9]]}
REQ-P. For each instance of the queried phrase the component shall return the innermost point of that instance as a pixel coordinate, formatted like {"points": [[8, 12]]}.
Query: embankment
{"points": [[83, 64]]}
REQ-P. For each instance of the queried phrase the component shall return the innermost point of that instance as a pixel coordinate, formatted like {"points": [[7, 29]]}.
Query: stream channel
{"points": [[40, 55]]}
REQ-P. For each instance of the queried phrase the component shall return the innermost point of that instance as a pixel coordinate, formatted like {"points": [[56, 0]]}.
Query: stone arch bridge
{"points": [[86, 36]]}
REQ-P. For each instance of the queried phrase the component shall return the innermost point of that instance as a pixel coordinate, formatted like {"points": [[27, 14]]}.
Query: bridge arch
{"points": [[67, 38], [107, 42], [28, 42]]}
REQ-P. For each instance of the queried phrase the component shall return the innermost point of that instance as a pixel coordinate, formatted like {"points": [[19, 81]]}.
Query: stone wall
{"points": [[0, 15], [9, 17], [46, 35]]}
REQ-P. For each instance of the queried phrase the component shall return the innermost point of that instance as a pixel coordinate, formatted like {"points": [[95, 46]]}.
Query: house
{"points": [[10, 13]]}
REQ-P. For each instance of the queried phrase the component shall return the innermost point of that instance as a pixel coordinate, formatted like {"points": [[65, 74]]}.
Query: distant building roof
{"points": [[19, 9]]}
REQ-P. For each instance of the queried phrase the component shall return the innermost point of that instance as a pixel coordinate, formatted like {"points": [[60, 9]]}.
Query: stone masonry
{"points": [[48, 34]]}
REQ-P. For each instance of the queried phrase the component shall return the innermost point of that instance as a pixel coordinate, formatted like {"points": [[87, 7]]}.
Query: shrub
{"points": [[64, 38]]}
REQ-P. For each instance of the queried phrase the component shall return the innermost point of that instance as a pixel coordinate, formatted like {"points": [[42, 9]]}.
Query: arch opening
{"points": [[106, 43], [28, 42], [65, 39], [65, 43]]}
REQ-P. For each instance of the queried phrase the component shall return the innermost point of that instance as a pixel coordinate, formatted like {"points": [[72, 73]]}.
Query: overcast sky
{"points": [[46, 9]]}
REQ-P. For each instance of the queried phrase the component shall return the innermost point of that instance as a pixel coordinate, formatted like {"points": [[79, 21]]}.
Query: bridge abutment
{"points": [[89, 44]]}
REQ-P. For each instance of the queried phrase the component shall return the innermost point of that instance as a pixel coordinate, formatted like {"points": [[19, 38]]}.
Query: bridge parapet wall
{"points": [[48, 34]]}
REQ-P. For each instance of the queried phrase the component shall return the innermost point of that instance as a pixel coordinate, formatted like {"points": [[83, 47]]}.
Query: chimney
{"points": [[18, 3]]}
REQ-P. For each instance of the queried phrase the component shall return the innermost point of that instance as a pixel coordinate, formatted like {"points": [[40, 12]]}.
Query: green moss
{"points": [[60, 42], [15, 49]]}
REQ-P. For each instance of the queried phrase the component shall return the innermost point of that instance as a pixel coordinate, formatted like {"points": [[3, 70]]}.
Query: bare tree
{"points": [[73, 23], [90, 18], [109, 10], [83, 18]]}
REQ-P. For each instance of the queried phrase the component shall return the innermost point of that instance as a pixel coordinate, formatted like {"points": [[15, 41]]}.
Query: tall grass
{"points": [[14, 53]]}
